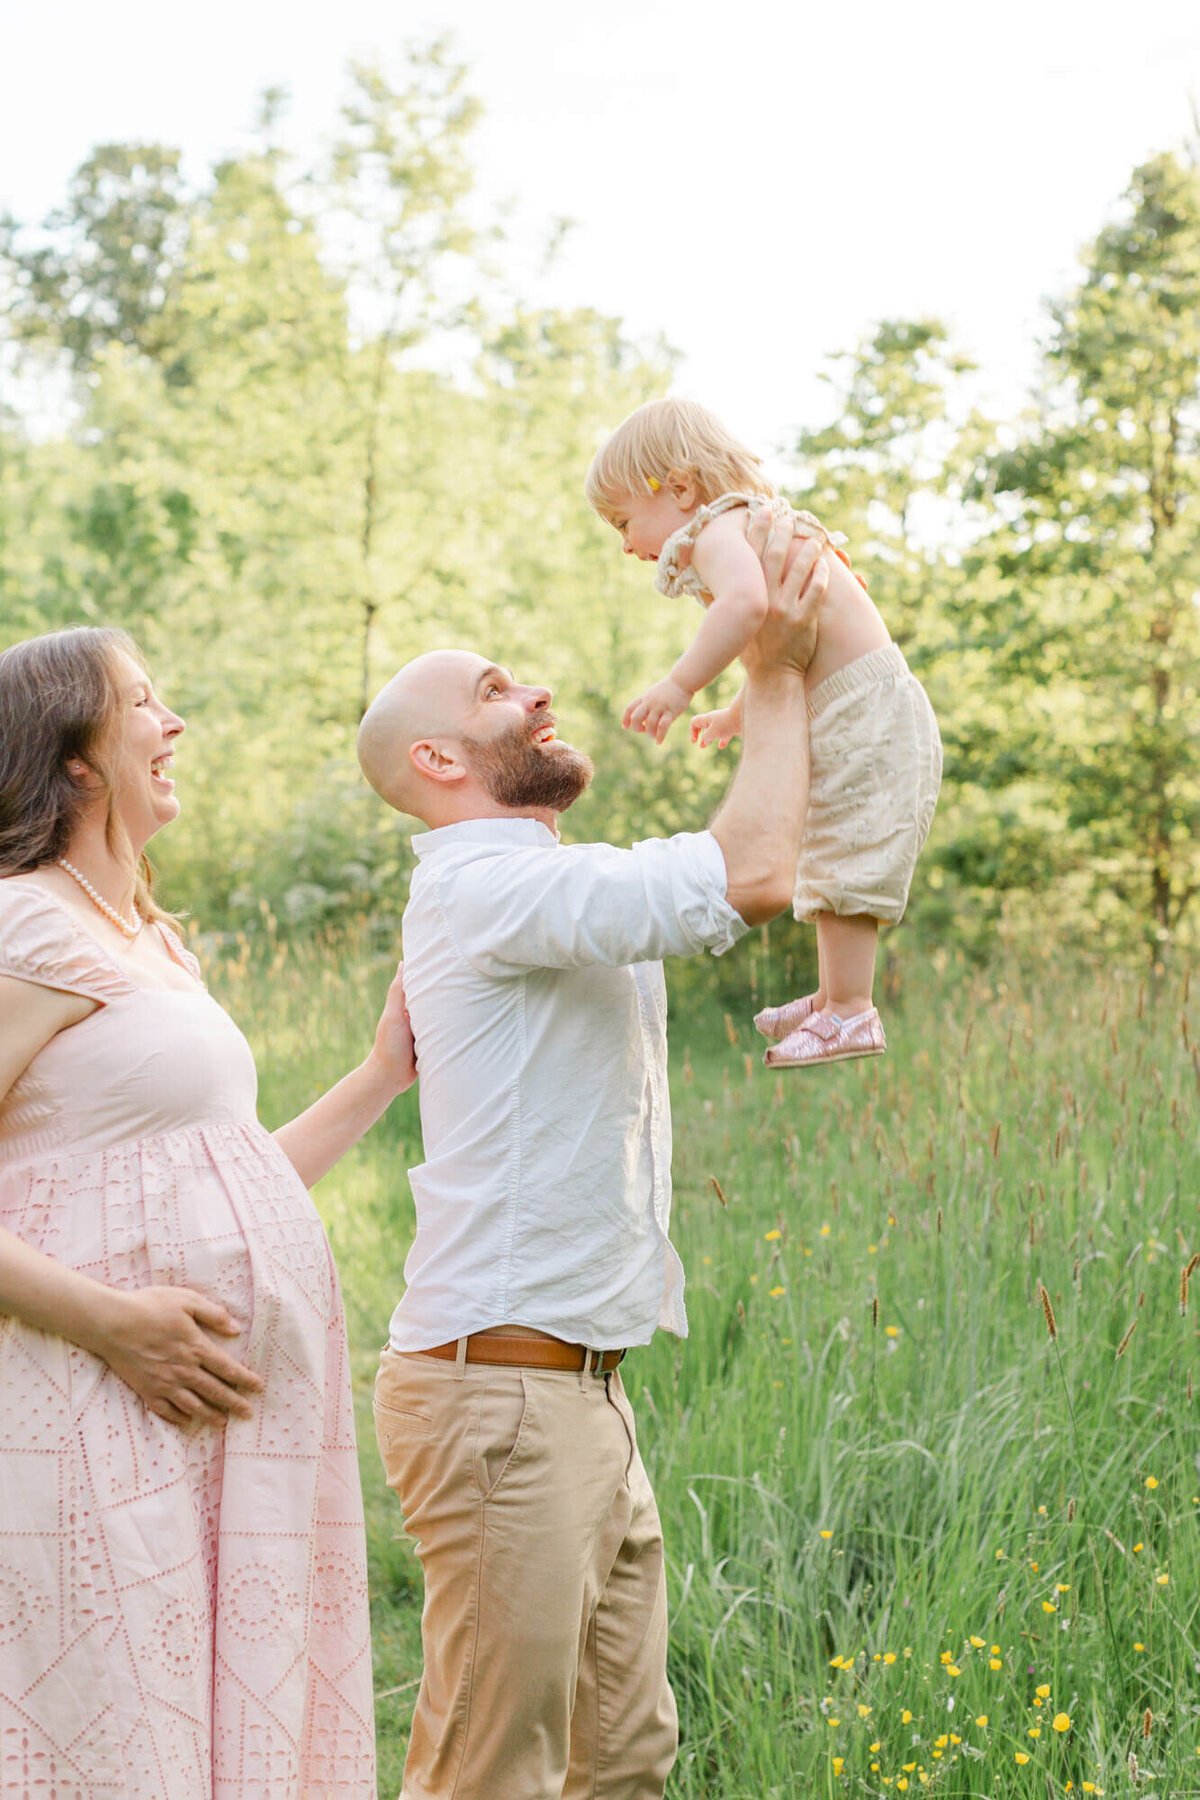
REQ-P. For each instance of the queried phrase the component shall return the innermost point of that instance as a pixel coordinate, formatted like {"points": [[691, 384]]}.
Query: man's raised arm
{"points": [[761, 819]]}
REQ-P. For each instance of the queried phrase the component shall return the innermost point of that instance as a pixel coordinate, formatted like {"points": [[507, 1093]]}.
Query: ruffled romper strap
{"points": [[41, 942], [669, 578]]}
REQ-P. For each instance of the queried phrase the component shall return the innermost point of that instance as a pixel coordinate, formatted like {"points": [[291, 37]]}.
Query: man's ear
{"points": [[683, 490], [428, 760]]}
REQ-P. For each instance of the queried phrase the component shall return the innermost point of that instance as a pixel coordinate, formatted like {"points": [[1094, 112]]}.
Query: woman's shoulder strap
{"points": [[179, 950], [40, 941]]}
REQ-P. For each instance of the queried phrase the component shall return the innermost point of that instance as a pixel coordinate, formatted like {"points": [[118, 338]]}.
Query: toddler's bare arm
{"points": [[718, 727], [733, 575]]}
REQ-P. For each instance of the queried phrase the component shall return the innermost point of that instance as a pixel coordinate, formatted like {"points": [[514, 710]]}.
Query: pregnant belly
{"points": [[217, 1208]]}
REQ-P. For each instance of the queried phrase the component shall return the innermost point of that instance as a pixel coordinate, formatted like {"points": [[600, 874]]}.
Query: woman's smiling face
{"points": [[141, 754]]}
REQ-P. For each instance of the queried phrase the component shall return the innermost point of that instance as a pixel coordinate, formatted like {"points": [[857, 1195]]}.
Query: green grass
{"points": [[872, 1461]]}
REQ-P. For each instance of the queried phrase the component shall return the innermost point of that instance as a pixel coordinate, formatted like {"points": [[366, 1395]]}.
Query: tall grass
{"points": [[917, 1541]]}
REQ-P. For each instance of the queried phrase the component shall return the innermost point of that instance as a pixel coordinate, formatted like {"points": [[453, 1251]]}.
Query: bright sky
{"points": [[759, 182]]}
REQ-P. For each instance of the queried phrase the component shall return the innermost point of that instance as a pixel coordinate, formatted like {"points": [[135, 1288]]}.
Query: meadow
{"points": [[927, 1464]]}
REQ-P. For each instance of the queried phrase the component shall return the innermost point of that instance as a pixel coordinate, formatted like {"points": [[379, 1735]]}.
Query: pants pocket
{"points": [[502, 1431]]}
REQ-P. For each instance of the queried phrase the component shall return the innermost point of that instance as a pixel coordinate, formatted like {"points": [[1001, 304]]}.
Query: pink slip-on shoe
{"points": [[777, 1022], [822, 1039]]}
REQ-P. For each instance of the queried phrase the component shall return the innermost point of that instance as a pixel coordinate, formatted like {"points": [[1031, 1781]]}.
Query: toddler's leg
{"points": [[846, 947], [846, 1024], [776, 1022]]}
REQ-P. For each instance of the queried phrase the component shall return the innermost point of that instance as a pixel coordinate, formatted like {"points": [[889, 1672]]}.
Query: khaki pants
{"points": [[545, 1619]]}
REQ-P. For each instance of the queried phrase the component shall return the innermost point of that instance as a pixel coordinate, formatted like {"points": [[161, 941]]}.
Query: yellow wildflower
{"points": [[953, 1669], [773, 1236], [1139, 1646], [1048, 1606], [995, 1663], [1043, 1693], [776, 1291], [889, 1657], [864, 1712], [1022, 1756], [906, 1717], [837, 1765], [827, 1534], [891, 1331], [940, 1743], [1152, 1482], [1035, 1731], [977, 1643], [982, 1721], [1162, 1580], [1061, 1722]]}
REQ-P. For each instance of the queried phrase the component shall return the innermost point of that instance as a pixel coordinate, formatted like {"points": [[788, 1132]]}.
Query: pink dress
{"points": [[183, 1612]]}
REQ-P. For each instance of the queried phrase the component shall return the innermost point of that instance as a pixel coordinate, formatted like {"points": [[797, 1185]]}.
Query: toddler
{"points": [[680, 491]]}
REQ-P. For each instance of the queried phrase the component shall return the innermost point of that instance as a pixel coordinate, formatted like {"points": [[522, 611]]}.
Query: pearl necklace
{"points": [[110, 912]]}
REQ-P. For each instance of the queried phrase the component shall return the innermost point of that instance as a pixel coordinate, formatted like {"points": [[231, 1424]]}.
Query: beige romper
{"points": [[875, 756]]}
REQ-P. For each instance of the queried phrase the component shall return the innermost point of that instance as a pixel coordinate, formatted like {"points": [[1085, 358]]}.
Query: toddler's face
{"points": [[646, 521]]}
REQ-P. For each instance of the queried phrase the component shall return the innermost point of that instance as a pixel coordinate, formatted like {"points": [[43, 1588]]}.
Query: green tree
{"points": [[1098, 537], [99, 269], [393, 206]]}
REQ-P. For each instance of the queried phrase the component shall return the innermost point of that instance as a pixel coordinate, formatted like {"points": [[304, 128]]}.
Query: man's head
{"points": [[453, 736]]}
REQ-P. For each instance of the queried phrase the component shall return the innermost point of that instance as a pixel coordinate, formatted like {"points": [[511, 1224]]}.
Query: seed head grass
{"points": [[902, 1458]]}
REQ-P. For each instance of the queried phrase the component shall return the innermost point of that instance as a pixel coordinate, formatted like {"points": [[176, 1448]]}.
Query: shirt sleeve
{"points": [[592, 903]]}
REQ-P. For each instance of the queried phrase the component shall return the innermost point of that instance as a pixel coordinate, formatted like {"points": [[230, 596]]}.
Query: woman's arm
{"points": [[315, 1140], [157, 1339]]}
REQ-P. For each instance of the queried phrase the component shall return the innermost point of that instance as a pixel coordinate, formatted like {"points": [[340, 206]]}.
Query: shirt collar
{"points": [[501, 832]]}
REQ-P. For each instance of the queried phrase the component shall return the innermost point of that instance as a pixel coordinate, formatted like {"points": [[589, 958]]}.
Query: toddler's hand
{"points": [[657, 709], [715, 728]]}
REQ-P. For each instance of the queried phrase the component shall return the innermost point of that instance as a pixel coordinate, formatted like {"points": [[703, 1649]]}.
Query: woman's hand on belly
{"points": [[163, 1342]]}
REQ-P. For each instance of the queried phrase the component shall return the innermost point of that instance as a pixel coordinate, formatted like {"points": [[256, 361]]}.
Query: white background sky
{"points": [[758, 182]]}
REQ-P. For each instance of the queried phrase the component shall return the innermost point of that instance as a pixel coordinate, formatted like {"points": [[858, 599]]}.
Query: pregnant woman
{"points": [[183, 1596]]}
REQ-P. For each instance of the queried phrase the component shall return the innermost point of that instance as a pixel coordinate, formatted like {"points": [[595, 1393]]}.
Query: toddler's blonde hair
{"points": [[667, 437]]}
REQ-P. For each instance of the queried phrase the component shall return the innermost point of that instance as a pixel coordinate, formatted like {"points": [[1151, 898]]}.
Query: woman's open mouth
{"points": [[159, 770]]}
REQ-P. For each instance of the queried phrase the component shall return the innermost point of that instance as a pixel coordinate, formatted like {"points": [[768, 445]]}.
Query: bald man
{"points": [[534, 980]]}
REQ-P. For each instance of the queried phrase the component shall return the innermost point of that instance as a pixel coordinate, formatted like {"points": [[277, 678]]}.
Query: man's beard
{"points": [[516, 772]]}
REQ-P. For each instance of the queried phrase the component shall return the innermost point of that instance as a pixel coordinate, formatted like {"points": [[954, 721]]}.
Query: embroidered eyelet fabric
{"points": [[183, 1611], [674, 574]]}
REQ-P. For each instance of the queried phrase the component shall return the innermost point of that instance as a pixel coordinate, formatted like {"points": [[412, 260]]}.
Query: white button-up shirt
{"points": [[538, 1005]]}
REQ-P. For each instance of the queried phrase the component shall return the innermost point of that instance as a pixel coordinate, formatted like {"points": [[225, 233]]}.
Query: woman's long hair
{"points": [[60, 702]]}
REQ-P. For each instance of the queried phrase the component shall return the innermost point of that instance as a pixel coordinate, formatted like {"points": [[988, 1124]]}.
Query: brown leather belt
{"points": [[530, 1353]]}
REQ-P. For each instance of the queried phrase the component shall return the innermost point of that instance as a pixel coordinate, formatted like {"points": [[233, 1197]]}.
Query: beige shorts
{"points": [[876, 768]]}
